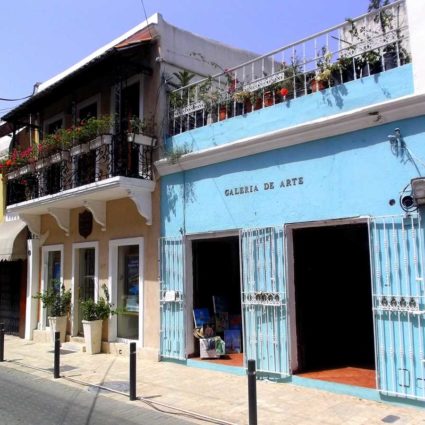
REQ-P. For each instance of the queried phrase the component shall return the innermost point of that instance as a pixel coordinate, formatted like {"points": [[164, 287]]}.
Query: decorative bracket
{"points": [[33, 222], [143, 202], [62, 217], [98, 209]]}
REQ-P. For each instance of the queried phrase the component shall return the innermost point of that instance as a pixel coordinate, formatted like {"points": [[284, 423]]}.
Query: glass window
{"points": [[128, 292], [53, 278]]}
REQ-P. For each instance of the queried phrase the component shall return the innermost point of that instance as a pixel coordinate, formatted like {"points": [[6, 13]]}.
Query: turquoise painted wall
{"points": [[342, 176], [355, 94]]}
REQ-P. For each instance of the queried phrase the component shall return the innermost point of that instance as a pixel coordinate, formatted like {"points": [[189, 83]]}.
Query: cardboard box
{"points": [[211, 348]]}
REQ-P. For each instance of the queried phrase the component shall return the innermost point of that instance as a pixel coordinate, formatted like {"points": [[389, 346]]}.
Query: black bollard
{"points": [[56, 364], [1, 342], [252, 393], [133, 371]]}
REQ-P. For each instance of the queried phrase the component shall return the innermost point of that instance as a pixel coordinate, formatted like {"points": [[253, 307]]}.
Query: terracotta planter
{"points": [[93, 335], [268, 99], [222, 113], [57, 323], [317, 85]]}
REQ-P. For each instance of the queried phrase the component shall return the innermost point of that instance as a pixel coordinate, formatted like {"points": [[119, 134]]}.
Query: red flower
{"points": [[9, 162], [283, 92]]}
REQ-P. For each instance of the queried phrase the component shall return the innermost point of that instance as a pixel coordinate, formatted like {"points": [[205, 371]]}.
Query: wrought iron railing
{"points": [[370, 44], [105, 157]]}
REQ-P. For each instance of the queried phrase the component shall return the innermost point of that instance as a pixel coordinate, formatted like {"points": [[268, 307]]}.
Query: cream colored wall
{"points": [[122, 221]]}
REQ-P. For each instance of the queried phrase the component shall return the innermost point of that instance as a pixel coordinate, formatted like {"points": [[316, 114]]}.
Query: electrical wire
{"points": [[146, 17], [4, 99]]}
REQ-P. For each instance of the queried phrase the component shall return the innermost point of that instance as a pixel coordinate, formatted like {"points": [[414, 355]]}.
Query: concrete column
{"points": [[33, 247], [416, 19]]}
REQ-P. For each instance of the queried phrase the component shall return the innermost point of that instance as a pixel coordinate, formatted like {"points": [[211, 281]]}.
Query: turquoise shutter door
{"points": [[264, 299], [396, 246], [172, 298]]}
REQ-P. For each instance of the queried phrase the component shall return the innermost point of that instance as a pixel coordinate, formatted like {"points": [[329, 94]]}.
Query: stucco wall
{"points": [[122, 221], [343, 176]]}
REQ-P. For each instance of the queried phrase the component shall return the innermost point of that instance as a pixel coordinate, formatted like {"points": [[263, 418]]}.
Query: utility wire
{"points": [[14, 100], [146, 17]]}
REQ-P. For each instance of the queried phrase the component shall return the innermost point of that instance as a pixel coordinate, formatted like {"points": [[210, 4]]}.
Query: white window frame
{"points": [[86, 102], [134, 79], [75, 263], [53, 118], [44, 263], [113, 289]]}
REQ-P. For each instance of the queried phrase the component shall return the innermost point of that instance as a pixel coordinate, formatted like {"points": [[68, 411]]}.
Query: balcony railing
{"points": [[102, 158], [370, 44]]}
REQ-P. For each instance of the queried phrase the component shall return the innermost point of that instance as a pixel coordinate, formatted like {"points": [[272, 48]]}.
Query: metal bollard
{"points": [[1, 342], [133, 371], [56, 364], [252, 393]]}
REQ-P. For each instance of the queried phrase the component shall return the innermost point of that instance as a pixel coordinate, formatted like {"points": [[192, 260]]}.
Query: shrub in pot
{"points": [[58, 302], [94, 313]]}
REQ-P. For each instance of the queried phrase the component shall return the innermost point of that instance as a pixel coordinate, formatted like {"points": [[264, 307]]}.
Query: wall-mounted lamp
{"points": [[418, 190], [396, 141]]}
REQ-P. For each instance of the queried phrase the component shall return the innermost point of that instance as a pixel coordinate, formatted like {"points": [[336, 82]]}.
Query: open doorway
{"points": [[217, 294], [333, 303]]}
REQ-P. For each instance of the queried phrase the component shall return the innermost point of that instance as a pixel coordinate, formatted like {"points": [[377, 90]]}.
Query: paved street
{"points": [[209, 393], [26, 399]]}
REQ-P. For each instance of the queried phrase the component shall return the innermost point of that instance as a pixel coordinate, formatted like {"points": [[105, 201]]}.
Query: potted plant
{"points": [[57, 301], [94, 313]]}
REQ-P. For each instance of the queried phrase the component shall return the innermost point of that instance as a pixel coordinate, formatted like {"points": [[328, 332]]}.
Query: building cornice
{"points": [[357, 119]]}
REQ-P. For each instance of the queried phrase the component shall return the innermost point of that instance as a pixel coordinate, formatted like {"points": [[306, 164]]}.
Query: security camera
{"points": [[407, 201]]}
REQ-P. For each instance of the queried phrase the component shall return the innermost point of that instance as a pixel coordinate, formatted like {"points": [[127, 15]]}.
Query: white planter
{"points": [[42, 163], [105, 139], [30, 168], [57, 323], [93, 335], [141, 139], [58, 157], [80, 149], [13, 175]]}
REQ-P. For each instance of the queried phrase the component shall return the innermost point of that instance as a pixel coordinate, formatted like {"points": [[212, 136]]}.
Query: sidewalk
{"points": [[213, 394]]}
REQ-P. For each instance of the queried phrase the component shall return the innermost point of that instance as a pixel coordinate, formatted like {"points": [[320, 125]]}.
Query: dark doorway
{"points": [[333, 298], [13, 296], [216, 287]]}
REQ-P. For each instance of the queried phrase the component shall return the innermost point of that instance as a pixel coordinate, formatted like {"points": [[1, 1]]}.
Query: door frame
{"points": [[290, 273], [190, 343], [75, 263], [44, 263], [114, 244]]}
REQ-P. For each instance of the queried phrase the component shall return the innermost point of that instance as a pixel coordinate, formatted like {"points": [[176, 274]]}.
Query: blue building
{"points": [[292, 188]]}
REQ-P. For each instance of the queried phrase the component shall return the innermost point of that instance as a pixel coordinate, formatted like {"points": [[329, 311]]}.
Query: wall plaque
{"points": [[85, 223]]}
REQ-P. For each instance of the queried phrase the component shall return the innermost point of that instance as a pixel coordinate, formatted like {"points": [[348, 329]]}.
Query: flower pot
{"points": [[93, 335], [57, 323], [317, 85], [222, 113], [268, 99]]}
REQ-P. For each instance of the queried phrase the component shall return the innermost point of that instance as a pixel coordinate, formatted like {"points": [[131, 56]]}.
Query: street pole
{"points": [[252, 393], [133, 371], [56, 364], [1, 342]]}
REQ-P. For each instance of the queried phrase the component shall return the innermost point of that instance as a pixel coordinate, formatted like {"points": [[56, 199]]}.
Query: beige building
{"points": [[91, 203]]}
